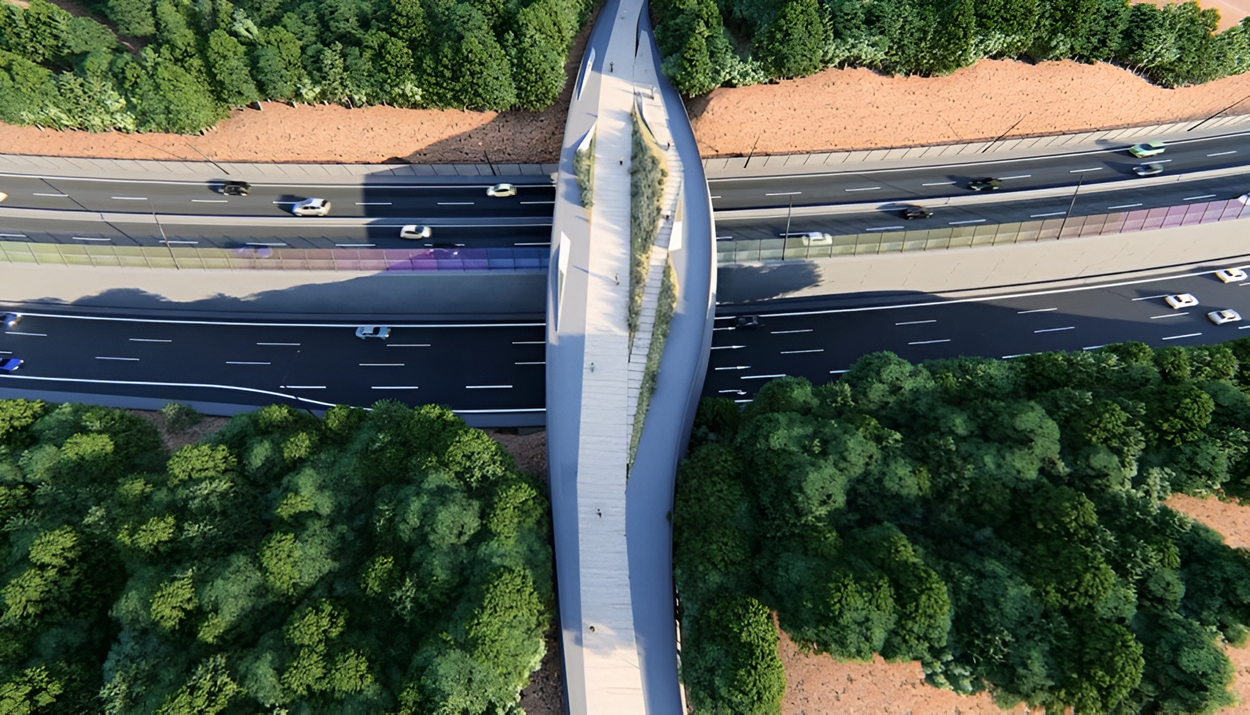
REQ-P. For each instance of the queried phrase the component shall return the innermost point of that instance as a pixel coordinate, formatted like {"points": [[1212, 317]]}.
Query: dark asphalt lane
{"points": [[887, 218], [1100, 166], [821, 345], [496, 367], [534, 197], [309, 233]]}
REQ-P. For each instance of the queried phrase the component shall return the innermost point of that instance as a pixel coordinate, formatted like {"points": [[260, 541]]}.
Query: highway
{"points": [[820, 343], [480, 367], [946, 179]]}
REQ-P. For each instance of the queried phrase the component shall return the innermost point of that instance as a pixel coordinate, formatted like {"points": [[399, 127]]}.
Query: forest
{"points": [[179, 65], [999, 521], [388, 560], [710, 43]]}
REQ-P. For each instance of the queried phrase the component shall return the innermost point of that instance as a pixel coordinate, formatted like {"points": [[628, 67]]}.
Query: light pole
{"points": [[786, 235], [1070, 207]]}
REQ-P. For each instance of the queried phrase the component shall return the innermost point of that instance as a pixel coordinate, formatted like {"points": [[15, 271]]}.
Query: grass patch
{"points": [[647, 173], [584, 170], [659, 333]]}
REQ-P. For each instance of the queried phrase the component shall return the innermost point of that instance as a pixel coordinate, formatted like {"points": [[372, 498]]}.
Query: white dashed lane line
{"points": [[149, 340], [1186, 335], [246, 362], [129, 359], [1054, 330], [930, 342], [1168, 315], [1035, 310], [916, 322]]}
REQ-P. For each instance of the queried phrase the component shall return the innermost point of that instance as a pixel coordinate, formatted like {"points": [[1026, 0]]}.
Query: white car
{"points": [[311, 207], [501, 191], [1181, 300], [1231, 275], [3, 196], [813, 238], [1220, 317], [415, 231]]}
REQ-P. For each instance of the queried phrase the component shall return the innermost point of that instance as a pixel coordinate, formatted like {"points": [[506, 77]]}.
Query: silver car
{"points": [[501, 191], [311, 207], [1148, 169], [381, 332]]}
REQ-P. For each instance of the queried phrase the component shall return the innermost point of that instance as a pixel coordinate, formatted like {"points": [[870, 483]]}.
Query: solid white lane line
{"points": [[800, 352], [1195, 198], [1151, 297], [381, 364], [488, 387], [788, 332], [1054, 330], [55, 196], [1167, 315], [974, 220], [785, 193], [408, 345], [166, 321], [1223, 153], [529, 342], [727, 347], [246, 362], [523, 203], [1186, 335], [149, 340], [354, 245], [1078, 171], [865, 188], [455, 203], [145, 383], [129, 198], [12, 235], [129, 359], [1052, 213], [210, 201], [33, 335], [373, 203], [915, 322], [89, 238], [258, 243], [714, 329], [1123, 206], [539, 362], [286, 202], [734, 367], [1035, 310], [1018, 176], [761, 377], [939, 183], [173, 241], [292, 344], [394, 387], [884, 228], [535, 243], [930, 342], [303, 387]]}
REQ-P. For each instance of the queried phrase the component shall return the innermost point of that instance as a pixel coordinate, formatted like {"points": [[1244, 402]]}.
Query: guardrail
{"points": [[286, 259], [735, 251]]}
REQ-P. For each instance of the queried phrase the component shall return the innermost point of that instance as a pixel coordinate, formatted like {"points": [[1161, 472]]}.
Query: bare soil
{"points": [[332, 134]]}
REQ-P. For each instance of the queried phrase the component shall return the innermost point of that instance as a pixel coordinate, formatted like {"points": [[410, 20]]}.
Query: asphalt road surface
{"points": [[887, 218], [820, 344], [1091, 167], [495, 367]]}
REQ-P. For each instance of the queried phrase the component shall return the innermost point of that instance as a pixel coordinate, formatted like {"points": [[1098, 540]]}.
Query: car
{"points": [[501, 191], [747, 322], [1151, 148], [915, 212], [1181, 300], [1222, 317], [415, 231], [311, 207], [1231, 275], [986, 184], [10, 364], [3, 196], [11, 320], [813, 238], [236, 188], [1148, 169], [381, 332], [1243, 199]]}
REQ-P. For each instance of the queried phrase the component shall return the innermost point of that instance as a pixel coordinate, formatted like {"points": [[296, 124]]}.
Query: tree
{"points": [[132, 17], [792, 44], [730, 665], [227, 61]]}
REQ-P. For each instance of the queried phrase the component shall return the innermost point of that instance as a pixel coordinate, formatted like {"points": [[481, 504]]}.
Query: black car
{"points": [[747, 322], [914, 212], [236, 188], [986, 184], [10, 364]]}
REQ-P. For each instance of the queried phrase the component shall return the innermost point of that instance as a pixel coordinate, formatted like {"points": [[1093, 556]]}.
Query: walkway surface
{"points": [[613, 541]]}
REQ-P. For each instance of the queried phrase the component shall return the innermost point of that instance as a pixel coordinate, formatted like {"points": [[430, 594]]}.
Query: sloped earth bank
{"points": [[333, 134], [818, 684], [847, 109]]}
